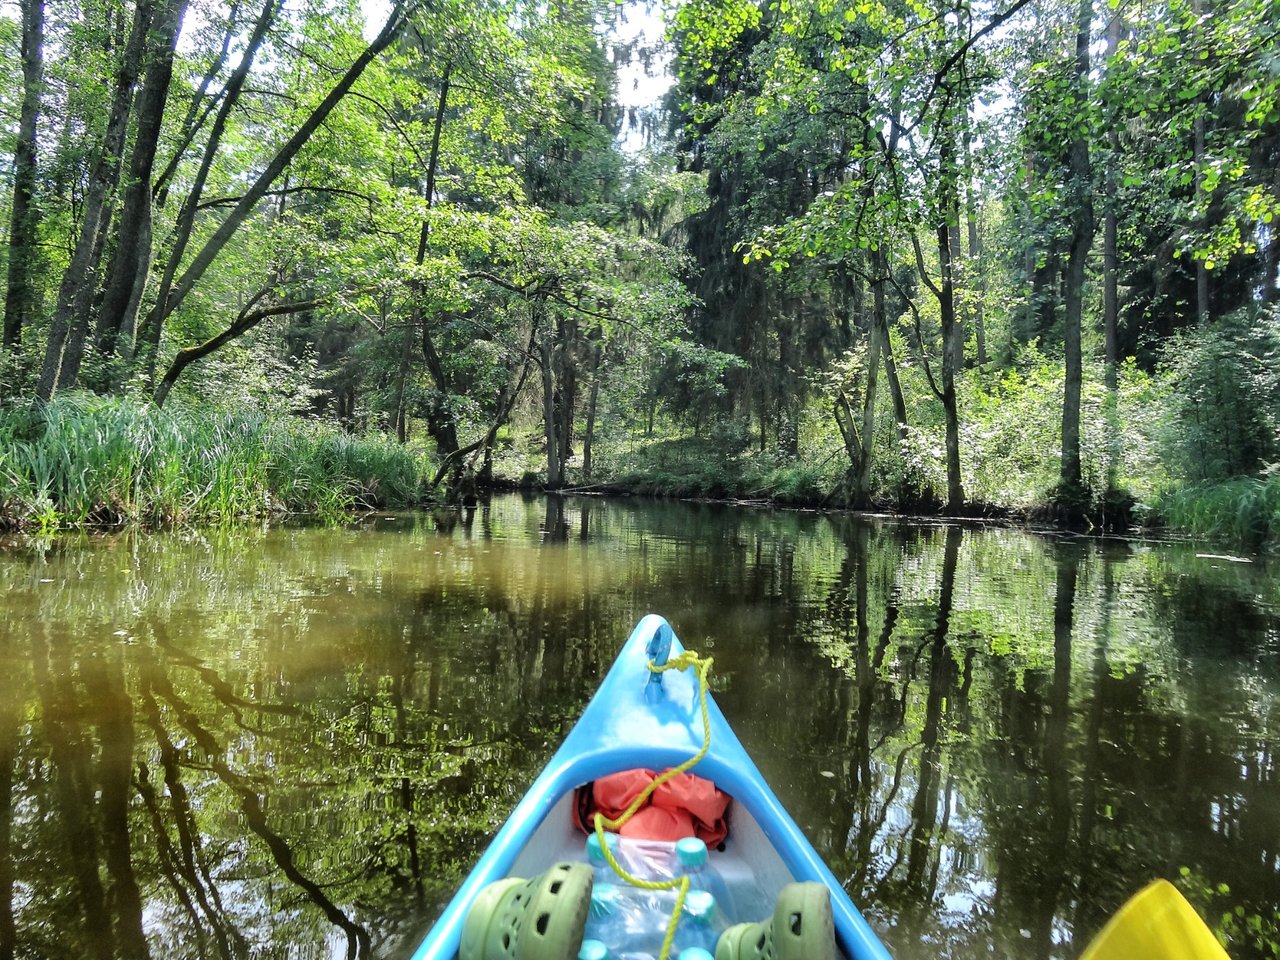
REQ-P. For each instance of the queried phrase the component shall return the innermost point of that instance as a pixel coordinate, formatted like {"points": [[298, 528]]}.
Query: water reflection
{"points": [[291, 743]]}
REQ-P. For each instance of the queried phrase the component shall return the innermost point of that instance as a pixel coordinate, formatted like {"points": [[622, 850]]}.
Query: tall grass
{"points": [[85, 460], [1243, 510]]}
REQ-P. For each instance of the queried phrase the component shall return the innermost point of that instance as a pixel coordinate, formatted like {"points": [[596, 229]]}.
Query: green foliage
{"points": [[798, 482], [1177, 69], [1236, 925], [1225, 409], [680, 468], [1013, 427], [1243, 510], [84, 460]]}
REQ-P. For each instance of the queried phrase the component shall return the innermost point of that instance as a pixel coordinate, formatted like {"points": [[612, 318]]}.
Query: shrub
{"points": [[1224, 411]]}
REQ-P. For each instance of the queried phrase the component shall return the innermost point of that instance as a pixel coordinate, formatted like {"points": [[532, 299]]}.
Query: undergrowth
{"points": [[1243, 510], [86, 460]]}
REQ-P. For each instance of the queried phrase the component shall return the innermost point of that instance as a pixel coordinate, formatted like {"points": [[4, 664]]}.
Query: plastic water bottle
{"points": [[630, 922], [595, 856], [593, 950], [694, 953], [700, 924], [695, 863], [606, 922]]}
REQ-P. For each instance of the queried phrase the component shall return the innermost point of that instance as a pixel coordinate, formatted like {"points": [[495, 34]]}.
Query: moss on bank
{"points": [[84, 460]]}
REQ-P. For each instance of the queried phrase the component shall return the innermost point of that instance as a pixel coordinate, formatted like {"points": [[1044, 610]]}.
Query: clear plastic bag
{"points": [[632, 921]]}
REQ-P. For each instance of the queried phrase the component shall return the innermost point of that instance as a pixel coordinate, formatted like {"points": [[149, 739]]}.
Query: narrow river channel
{"points": [[291, 742]]}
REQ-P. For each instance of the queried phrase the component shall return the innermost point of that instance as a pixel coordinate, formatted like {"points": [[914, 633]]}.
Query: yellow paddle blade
{"points": [[1156, 923]]}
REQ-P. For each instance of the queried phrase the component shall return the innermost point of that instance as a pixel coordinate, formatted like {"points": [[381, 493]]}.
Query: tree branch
{"points": [[286, 191], [247, 319]]}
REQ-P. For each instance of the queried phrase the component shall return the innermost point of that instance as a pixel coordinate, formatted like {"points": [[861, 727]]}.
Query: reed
{"points": [[1243, 511], [85, 460]]}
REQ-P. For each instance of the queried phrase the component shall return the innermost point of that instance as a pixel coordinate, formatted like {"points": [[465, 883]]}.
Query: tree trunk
{"points": [[1080, 191], [567, 393], [1110, 280], [1110, 233], [151, 328], [195, 116], [764, 420], [440, 424], [950, 330], [1271, 270], [842, 412], [978, 277], [402, 378], [227, 229], [549, 410], [895, 389], [1024, 322], [879, 316], [132, 258], [1202, 275], [861, 496], [75, 292], [959, 281], [588, 437], [19, 301]]}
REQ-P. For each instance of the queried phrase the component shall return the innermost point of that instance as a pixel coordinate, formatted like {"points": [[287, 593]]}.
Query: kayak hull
{"points": [[641, 720]]}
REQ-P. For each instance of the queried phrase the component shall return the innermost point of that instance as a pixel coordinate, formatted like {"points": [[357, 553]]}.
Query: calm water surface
{"points": [[292, 742]]}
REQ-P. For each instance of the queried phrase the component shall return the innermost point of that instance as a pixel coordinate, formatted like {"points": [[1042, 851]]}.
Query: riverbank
{"points": [[86, 461], [1242, 513]]}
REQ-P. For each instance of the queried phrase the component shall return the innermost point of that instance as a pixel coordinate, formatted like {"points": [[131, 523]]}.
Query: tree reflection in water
{"points": [[292, 743]]}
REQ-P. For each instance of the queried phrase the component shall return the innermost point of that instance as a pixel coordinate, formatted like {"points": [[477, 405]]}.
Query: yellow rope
{"points": [[602, 823]]}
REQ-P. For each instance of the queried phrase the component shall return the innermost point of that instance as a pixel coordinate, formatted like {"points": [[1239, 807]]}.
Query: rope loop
{"points": [[602, 823]]}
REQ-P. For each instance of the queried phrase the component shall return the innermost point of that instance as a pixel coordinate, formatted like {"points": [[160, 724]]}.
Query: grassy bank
{"points": [[1244, 511], [85, 460]]}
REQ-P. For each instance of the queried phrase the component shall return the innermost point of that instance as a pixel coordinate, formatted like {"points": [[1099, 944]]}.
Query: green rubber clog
{"points": [[538, 919], [801, 928]]}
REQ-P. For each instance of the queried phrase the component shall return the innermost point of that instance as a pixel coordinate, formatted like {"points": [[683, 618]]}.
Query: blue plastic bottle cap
{"points": [[694, 953], [604, 899], [595, 950], [699, 905], [594, 853], [691, 852], [593, 847]]}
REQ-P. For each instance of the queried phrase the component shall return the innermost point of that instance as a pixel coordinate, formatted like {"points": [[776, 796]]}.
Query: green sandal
{"points": [[538, 919], [802, 928]]}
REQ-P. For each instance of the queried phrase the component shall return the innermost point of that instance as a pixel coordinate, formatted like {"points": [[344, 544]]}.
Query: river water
{"points": [[292, 742]]}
